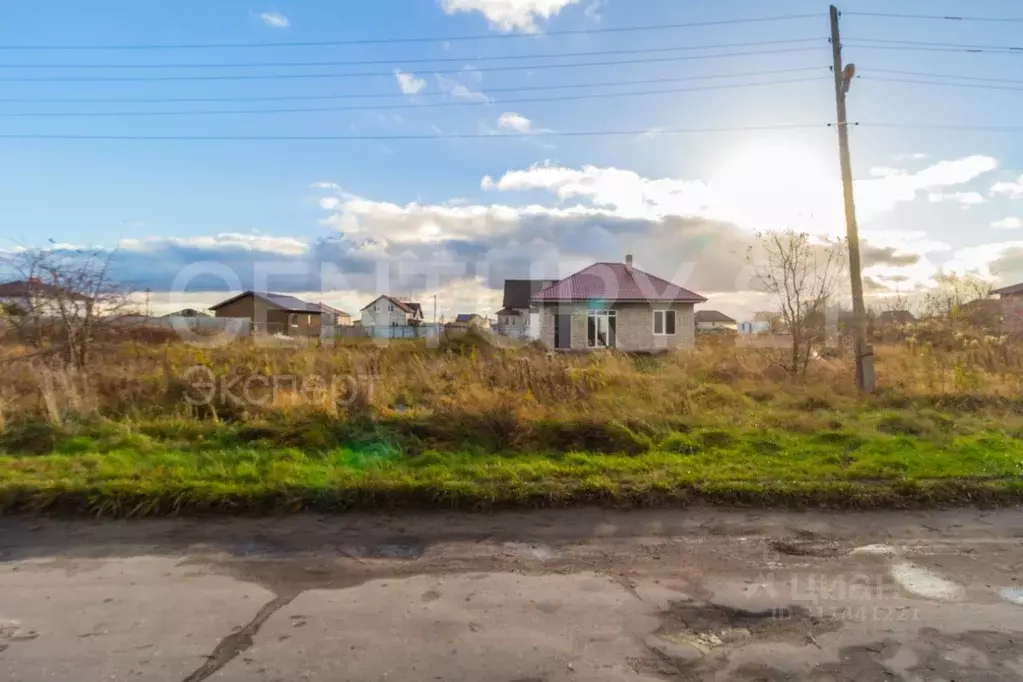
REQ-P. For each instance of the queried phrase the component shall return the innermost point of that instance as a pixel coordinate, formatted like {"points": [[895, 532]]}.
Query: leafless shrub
{"points": [[58, 301], [801, 274]]}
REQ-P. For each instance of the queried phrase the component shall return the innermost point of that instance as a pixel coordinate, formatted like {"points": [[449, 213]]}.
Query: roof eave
{"points": [[698, 299]]}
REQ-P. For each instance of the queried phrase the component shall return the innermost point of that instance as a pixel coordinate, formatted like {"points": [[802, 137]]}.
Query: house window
{"points": [[390, 308], [664, 323], [292, 320], [600, 328], [376, 308]]}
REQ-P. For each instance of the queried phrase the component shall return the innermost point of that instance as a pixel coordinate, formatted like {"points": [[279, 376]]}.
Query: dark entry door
{"points": [[562, 330]]}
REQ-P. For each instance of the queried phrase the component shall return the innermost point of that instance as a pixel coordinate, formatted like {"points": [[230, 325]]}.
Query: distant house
{"points": [[895, 318], [711, 320], [388, 311], [514, 319], [36, 297], [469, 320], [333, 316], [762, 323], [987, 312], [1009, 291], [276, 313], [614, 305], [187, 312]]}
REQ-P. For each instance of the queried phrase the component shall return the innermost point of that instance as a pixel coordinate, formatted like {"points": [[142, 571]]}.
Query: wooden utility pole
{"points": [[865, 377]]}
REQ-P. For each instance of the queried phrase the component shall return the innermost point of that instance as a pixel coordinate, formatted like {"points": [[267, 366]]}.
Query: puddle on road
{"points": [[807, 547], [879, 550], [924, 583], [532, 550], [390, 550], [1013, 594]]}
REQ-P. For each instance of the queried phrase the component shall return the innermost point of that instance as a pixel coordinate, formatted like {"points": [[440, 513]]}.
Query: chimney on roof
{"points": [[628, 262]]}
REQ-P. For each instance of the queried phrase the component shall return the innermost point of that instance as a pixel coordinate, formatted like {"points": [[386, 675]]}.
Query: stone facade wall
{"points": [[634, 326]]}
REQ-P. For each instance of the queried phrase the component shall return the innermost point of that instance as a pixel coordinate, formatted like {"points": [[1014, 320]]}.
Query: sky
{"points": [[468, 177]]}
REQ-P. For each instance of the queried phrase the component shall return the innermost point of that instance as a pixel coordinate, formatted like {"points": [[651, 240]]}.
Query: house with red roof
{"points": [[615, 305]]}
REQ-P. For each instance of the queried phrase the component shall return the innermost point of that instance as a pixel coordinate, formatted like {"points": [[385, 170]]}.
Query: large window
{"points": [[664, 323], [600, 329]]}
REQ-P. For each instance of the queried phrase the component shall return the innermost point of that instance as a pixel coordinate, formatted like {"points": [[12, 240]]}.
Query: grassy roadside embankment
{"points": [[483, 428]]}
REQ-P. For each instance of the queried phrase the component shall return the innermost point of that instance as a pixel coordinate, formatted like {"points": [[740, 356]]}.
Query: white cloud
{"points": [[1007, 224], [880, 194], [966, 199], [409, 84], [627, 192], [509, 120], [224, 240], [884, 172], [904, 241], [472, 72], [459, 91], [275, 20], [593, 11], [509, 15], [910, 157], [988, 261], [1011, 189]]}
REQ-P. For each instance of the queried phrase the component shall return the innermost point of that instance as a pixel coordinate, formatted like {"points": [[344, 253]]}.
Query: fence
{"points": [[423, 331], [238, 326]]}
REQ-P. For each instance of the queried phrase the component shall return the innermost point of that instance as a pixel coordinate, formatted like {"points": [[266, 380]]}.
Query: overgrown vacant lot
{"points": [[470, 425]]}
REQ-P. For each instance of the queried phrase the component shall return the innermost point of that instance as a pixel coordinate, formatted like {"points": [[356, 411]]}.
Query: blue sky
{"points": [[930, 198]]}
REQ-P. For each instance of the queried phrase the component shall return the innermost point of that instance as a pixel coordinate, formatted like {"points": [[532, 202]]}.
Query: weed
{"points": [[681, 444]]}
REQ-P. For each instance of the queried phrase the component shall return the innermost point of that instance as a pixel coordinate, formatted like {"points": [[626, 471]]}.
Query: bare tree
{"points": [[952, 291], [801, 274], [57, 301]]}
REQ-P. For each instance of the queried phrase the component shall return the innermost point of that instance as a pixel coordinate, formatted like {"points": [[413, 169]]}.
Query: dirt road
{"points": [[544, 596]]}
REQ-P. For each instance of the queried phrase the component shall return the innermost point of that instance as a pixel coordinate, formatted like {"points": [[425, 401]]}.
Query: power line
{"points": [[922, 43], [936, 17], [910, 48], [397, 95], [380, 107], [927, 74], [404, 62], [944, 126], [434, 39], [390, 74], [982, 86], [388, 138]]}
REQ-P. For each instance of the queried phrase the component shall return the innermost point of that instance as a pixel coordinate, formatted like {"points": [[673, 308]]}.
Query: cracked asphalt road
{"points": [[517, 597]]}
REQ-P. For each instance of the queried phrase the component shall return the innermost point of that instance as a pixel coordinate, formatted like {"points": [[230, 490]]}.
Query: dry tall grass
{"points": [[138, 380]]}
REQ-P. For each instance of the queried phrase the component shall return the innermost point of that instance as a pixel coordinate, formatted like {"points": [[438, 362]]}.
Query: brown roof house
{"points": [[614, 305], [279, 313]]}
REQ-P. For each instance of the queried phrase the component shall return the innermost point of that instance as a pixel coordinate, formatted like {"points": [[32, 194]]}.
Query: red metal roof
{"points": [[615, 282]]}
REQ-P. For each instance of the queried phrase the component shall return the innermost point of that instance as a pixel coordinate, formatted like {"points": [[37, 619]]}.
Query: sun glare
{"points": [[780, 186]]}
